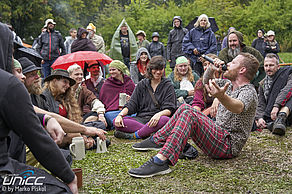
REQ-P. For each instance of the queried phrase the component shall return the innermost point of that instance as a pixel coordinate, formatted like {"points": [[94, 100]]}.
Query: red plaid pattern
{"points": [[188, 122]]}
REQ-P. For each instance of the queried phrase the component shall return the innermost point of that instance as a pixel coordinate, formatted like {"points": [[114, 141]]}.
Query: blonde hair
{"points": [[67, 99], [73, 67], [197, 24], [178, 76]]}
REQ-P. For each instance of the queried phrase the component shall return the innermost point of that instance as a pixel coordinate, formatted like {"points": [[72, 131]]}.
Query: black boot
{"points": [[270, 126], [279, 127]]}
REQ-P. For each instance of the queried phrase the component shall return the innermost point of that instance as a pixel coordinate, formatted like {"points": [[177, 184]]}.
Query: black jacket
{"points": [[174, 43], [49, 45], [82, 44], [156, 48], [17, 114], [142, 103], [259, 44], [277, 91]]}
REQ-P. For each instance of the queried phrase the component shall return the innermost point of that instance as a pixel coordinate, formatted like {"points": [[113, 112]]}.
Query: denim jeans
{"points": [[46, 67]]}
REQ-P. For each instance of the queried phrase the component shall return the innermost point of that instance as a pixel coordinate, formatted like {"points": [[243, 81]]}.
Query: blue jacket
{"points": [[203, 40]]}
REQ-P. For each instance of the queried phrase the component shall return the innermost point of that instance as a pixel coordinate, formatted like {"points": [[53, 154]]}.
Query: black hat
{"points": [[60, 73], [155, 34], [27, 65]]}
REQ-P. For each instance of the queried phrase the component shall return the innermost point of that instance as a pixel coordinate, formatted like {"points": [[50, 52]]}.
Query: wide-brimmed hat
{"points": [[270, 33], [27, 65], [141, 32], [49, 21], [60, 73]]}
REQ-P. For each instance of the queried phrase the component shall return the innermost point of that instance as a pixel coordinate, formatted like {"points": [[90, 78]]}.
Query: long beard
{"points": [[233, 53], [35, 88]]}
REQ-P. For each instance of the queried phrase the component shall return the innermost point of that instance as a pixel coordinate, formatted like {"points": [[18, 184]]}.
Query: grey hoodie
{"points": [[134, 71]]}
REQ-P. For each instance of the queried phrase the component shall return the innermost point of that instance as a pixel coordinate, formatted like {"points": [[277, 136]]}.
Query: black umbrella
{"points": [[30, 53], [212, 21]]}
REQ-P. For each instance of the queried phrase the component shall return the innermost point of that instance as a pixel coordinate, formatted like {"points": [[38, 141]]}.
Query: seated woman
{"points": [[138, 70], [202, 100], [60, 99], [82, 43], [153, 100], [92, 109], [118, 82], [183, 80]]}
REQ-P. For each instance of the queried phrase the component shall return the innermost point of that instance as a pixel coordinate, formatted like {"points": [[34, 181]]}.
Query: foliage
{"points": [[248, 16]]}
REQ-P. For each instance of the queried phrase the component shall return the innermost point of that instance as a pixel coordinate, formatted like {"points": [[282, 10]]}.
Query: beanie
{"points": [[181, 59]]}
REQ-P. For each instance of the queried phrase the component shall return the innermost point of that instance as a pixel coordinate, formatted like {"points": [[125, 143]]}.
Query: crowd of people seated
{"points": [[137, 100]]}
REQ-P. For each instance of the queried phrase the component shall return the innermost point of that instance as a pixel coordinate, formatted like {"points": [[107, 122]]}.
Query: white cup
{"points": [[100, 146], [77, 148], [122, 99]]}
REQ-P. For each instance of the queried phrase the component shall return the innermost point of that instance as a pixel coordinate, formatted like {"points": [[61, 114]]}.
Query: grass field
{"points": [[264, 166], [286, 57]]}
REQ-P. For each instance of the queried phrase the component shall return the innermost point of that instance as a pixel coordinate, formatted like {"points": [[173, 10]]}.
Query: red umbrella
{"points": [[65, 61]]}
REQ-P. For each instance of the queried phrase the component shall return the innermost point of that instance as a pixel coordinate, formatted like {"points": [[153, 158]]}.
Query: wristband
{"points": [[46, 121]]}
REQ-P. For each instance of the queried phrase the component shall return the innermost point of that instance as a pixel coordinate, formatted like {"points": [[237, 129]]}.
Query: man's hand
{"points": [[214, 90], [196, 52], [73, 186], [154, 120], [92, 131], [274, 113], [218, 63], [214, 108], [261, 123], [55, 130]]}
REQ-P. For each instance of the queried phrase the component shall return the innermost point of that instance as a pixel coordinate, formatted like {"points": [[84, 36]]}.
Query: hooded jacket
{"points": [[156, 48], [49, 45], [223, 55], [203, 40], [110, 90], [136, 76], [6, 48], [25, 123], [142, 103], [116, 50], [174, 43], [82, 44]]}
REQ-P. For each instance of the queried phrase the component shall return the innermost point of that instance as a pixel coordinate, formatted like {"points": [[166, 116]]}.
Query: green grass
{"points": [[286, 57], [264, 166]]}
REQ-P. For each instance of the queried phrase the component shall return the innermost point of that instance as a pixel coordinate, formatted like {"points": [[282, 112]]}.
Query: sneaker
{"points": [[123, 135], [149, 169], [145, 145]]}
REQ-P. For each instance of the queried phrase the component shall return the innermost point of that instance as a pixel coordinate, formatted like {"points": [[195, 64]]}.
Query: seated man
{"points": [[272, 92], [95, 82], [221, 139]]}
